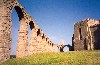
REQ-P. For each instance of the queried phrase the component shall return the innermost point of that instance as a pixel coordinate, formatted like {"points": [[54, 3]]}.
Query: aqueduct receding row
{"points": [[39, 42]]}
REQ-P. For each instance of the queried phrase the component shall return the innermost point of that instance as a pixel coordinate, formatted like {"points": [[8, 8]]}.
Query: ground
{"points": [[59, 58]]}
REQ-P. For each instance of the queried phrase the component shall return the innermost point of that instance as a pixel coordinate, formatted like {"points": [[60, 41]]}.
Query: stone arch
{"points": [[15, 24], [43, 36], [50, 44], [19, 12], [46, 39], [22, 33], [31, 25], [38, 32], [31, 31], [33, 37]]}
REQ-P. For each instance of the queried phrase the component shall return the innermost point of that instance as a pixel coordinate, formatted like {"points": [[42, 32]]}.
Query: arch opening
{"points": [[65, 49], [16, 16], [43, 36], [30, 27], [38, 32], [19, 12]]}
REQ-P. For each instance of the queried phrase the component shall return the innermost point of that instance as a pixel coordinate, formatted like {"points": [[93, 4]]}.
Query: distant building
{"points": [[86, 35]]}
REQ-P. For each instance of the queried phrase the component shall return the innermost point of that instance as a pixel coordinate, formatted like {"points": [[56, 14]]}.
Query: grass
{"points": [[58, 58]]}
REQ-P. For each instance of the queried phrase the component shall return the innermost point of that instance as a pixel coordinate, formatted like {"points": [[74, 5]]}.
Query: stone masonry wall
{"points": [[87, 35], [39, 42]]}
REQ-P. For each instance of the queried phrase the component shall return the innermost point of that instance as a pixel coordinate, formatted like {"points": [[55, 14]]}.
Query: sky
{"points": [[56, 17]]}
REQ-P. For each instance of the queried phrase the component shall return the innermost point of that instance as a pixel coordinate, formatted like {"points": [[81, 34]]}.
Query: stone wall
{"points": [[87, 35], [39, 42]]}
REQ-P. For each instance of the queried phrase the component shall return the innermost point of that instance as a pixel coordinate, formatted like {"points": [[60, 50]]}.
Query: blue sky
{"points": [[57, 17]]}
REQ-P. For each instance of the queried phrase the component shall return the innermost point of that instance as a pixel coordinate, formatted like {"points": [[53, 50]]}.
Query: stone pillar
{"points": [[22, 45], [40, 44], [33, 41], [5, 32], [60, 48], [44, 43], [91, 39]]}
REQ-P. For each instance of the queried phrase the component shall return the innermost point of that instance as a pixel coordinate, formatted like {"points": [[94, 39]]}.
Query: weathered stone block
{"points": [[87, 35]]}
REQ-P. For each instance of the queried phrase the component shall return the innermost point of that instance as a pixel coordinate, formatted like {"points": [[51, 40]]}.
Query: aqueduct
{"points": [[39, 42]]}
